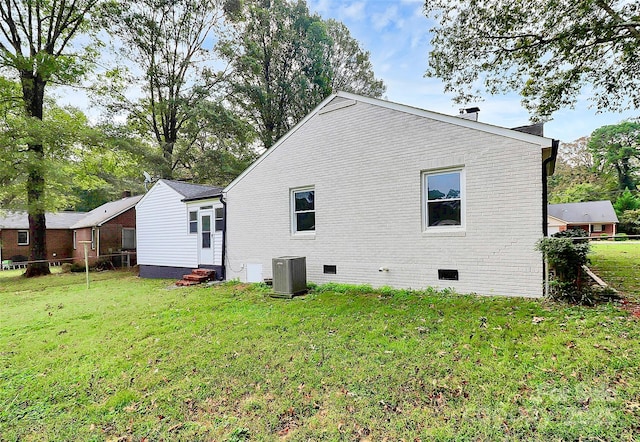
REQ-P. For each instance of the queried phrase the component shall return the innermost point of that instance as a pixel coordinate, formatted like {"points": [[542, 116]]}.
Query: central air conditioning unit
{"points": [[289, 275]]}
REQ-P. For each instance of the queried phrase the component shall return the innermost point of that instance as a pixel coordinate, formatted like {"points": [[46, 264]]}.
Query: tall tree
{"points": [[351, 66], [35, 47], [618, 147], [216, 147], [285, 61], [575, 179], [78, 158], [546, 50], [166, 43]]}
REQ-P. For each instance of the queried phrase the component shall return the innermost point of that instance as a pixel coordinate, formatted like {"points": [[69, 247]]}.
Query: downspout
{"points": [[555, 144], [224, 236], [545, 210]]}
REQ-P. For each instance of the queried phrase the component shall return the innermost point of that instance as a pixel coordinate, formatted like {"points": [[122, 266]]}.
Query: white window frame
{"points": [[598, 228], [294, 219], [134, 238], [425, 200], [18, 238], [94, 238], [75, 239], [190, 221], [216, 211]]}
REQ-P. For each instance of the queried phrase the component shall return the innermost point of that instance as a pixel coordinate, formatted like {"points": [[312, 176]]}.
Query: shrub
{"points": [[630, 222], [604, 236], [66, 267], [620, 237], [566, 255], [77, 268]]}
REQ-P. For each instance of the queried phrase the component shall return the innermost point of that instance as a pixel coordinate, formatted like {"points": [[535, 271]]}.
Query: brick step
{"points": [[184, 283], [196, 278], [204, 272]]}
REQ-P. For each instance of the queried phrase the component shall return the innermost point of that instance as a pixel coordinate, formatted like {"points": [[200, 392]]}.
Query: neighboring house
{"points": [[596, 217], [15, 240], [374, 192], [111, 230], [180, 228]]}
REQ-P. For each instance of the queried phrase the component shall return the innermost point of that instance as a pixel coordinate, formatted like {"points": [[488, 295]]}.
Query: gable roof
{"points": [[54, 220], [192, 192], [345, 99], [106, 212], [586, 212]]}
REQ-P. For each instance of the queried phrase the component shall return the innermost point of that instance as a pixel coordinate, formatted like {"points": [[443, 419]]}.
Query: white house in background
{"points": [[380, 193], [179, 228]]}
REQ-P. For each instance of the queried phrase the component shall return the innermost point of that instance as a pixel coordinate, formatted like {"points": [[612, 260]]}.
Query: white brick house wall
{"points": [[365, 160]]}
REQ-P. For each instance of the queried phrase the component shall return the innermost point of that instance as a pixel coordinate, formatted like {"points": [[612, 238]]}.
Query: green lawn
{"points": [[618, 263], [133, 359]]}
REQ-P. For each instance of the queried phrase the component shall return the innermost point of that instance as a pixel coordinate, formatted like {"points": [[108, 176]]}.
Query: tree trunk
{"points": [[33, 95], [166, 171]]}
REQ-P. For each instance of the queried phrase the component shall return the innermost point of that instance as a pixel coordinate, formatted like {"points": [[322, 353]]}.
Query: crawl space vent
{"points": [[448, 274]]}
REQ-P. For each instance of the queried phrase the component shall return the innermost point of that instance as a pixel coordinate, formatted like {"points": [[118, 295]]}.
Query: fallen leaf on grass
{"points": [[537, 320]]}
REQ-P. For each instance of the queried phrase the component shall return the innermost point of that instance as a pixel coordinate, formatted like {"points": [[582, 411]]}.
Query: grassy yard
{"points": [[133, 359], [618, 263]]}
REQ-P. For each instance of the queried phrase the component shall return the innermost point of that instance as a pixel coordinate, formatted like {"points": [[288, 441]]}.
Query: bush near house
{"points": [[135, 359]]}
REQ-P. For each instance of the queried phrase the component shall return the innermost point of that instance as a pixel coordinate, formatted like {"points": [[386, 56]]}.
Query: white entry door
{"points": [[205, 242]]}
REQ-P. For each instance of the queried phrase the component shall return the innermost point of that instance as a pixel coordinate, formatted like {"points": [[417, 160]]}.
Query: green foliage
{"points": [[286, 61], [566, 256], [79, 161], [617, 147], [548, 51], [620, 237], [625, 202], [111, 363], [166, 45], [217, 145], [630, 222], [575, 178]]}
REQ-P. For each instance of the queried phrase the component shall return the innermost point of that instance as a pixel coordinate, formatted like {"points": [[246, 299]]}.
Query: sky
{"points": [[396, 33]]}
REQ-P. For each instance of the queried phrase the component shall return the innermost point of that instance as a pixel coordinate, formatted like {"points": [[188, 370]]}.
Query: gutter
{"points": [[224, 236]]}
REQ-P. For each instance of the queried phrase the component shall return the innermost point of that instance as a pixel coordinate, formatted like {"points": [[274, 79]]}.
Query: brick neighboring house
{"points": [[15, 241], [596, 217], [111, 229]]}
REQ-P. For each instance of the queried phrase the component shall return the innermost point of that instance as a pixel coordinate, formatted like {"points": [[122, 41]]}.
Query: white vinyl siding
{"points": [[368, 163], [162, 236], [214, 206]]}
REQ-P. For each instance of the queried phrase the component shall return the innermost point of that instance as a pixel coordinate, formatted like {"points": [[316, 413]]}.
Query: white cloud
{"points": [[381, 20], [354, 11]]}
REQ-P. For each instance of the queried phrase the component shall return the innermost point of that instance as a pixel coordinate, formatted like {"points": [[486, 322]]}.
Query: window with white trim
{"points": [[128, 238], [23, 237], [597, 228], [443, 199], [303, 210], [75, 239], [193, 221], [219, 221], [93, 238]]}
